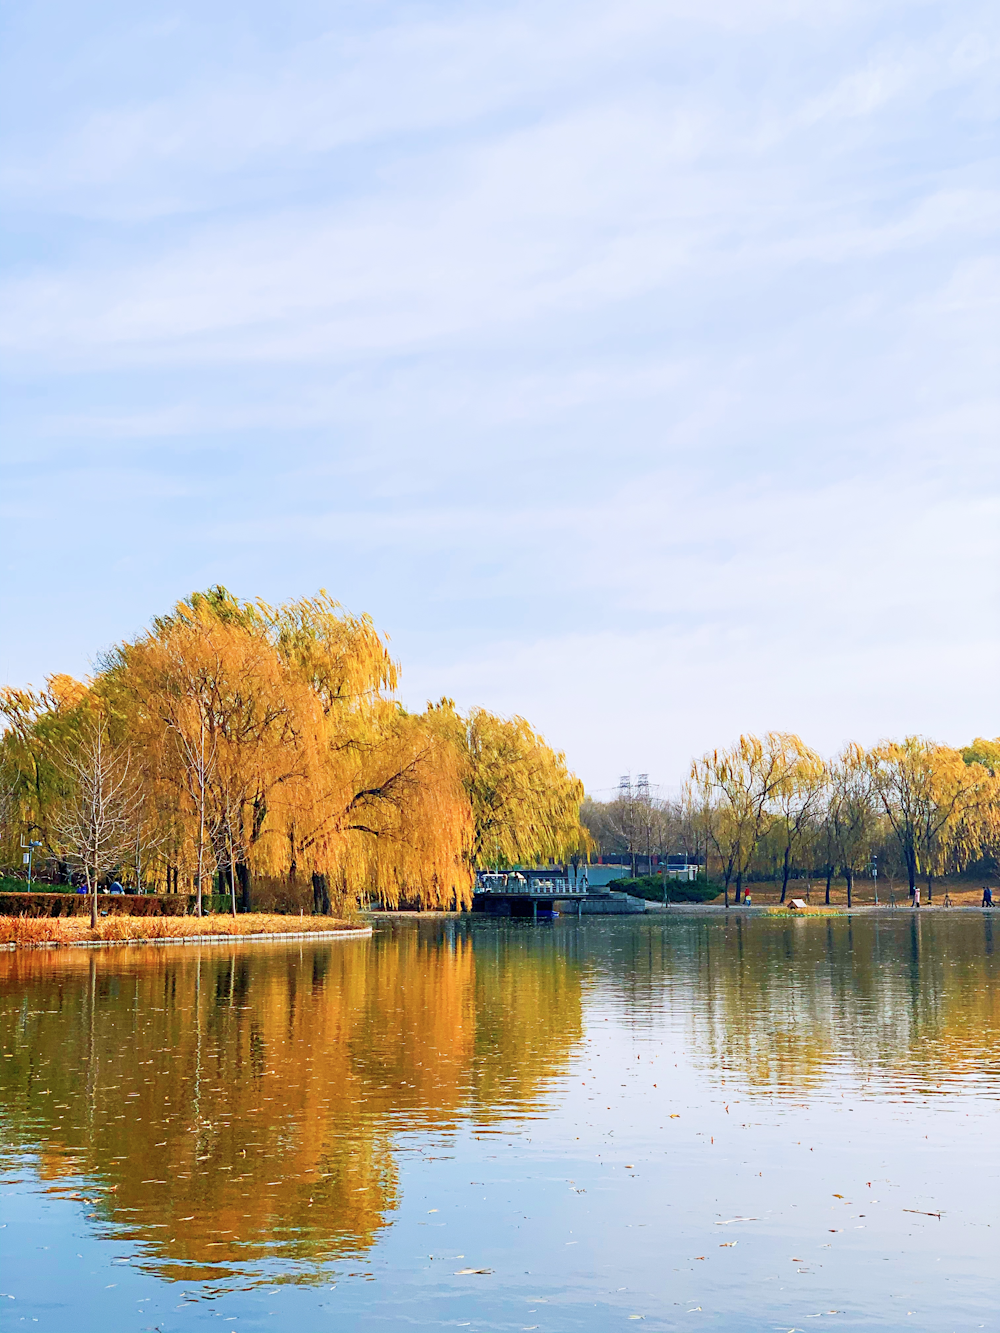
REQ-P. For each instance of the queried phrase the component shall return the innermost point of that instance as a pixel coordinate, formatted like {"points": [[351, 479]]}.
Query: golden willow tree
{"points": [[942, 805], [525, 803], [273, 745], [265, 745], [745, 788], [935, 807]]}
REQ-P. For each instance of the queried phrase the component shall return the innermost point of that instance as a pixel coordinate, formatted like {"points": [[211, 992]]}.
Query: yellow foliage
{"points": [[525, 802], [266, 742]]}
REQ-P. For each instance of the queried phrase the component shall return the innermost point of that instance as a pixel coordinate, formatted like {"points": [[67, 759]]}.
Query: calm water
{"points": [[694, 1123]]}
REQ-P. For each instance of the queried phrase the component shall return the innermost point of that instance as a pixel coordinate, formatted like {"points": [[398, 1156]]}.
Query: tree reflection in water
{"points": [[238, 1112], [235, 1106]]}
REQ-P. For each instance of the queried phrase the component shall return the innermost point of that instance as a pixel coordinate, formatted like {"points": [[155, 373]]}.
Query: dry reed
{"points": [[27, 931]]}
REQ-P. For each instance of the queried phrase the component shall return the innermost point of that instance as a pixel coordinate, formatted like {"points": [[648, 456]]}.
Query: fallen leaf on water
{"points": [[838, 1196], [463, 1272], [699, 1256], [728, 1244], [675, 1116]]}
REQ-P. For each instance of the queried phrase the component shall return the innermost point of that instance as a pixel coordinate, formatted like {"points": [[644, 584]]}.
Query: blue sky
{"points": [[634, 365]]}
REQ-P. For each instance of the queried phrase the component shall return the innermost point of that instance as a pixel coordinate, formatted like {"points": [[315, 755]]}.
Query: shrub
{"points": [[12, 884], [277, 895], [650, 887], [109, 904]]}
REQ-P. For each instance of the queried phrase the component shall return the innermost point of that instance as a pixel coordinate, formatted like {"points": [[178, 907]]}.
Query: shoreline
{"points": [[835, 909], [359, 932], [703, 909]]}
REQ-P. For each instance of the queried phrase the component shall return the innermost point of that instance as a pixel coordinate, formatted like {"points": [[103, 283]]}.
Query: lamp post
{"points": [[26, 859]]}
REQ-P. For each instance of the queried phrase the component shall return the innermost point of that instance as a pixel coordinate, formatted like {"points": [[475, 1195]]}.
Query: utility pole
{"points": [[642, 793]]}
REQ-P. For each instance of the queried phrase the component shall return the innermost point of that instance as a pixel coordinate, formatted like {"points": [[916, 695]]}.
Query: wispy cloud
{"points": [[633, 363]]}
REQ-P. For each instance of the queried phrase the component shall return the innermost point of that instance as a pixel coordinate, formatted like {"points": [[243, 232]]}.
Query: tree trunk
{"points": [[829, 878], [849, 876], [739, 886], [785, 869], [93, 901], [243, 875], [930, 890], [321, 895], [911, 869], [232, 880]]}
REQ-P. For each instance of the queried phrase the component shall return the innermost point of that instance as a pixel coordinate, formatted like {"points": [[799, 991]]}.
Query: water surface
{"points": [[690, 1122]]}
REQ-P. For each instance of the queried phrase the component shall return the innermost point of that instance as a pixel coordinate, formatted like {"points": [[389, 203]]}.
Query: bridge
{"points": [[545, 894]]}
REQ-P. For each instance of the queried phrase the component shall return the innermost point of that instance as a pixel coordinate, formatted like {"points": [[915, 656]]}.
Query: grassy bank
{"points": [[27, 931]]}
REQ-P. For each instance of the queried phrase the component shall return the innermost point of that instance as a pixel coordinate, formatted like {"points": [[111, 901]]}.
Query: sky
{"points": [[633, 364]]}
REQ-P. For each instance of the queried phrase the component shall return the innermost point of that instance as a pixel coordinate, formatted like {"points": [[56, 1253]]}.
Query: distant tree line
{"points": [[771, 808]]}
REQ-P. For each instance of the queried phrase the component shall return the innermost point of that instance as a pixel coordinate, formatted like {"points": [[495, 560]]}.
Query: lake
{"points": [[693, 1122]]}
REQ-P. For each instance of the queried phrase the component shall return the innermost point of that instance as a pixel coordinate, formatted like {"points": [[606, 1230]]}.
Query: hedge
{"points": [[111, 904], [650, 887]]}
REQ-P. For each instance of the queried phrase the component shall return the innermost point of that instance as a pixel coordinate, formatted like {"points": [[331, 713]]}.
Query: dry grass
{"points": [[28, 931]]}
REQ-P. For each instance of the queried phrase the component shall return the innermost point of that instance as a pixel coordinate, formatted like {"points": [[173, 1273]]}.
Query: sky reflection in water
{"points": [[697, 1123]]}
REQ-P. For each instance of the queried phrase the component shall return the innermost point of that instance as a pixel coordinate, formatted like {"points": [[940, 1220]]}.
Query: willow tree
{"points": [[206, 702], [796, 798], [739, 787], [382, 808], [39, 727], [935, 802], [525, 804], [852, 813]]}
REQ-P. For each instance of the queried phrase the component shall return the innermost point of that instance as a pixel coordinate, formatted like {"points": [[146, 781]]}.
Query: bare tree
{"points": [[97, 822]]}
